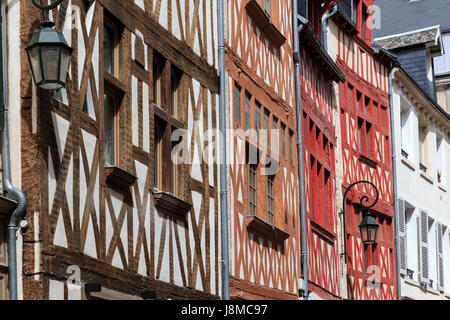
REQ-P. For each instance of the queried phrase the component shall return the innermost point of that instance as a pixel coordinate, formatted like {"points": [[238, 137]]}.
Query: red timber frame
{"points": [[264, 248], [366, 151], [317, 73]]}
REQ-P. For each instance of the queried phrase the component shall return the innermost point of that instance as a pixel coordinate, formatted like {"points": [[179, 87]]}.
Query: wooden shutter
{"points": [[424, 272], [402, 234], [440, 257]]}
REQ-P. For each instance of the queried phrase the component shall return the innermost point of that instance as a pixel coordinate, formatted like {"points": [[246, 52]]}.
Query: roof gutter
{"points": [[394, 181], [9, 189], [325, 24], [303, 230], [223, 165]]}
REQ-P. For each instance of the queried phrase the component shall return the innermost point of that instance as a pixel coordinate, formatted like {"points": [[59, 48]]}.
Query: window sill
{"points": [[440, 186], [408, 163], [263, 21], [119, 179], [114, 83], [367, 161], [168, 204], [265, 229], [426, 177], [323, 233]]}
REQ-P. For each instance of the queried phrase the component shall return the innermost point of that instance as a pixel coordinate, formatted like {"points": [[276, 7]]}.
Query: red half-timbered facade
{"points": [[318, 71], [366, 151]]}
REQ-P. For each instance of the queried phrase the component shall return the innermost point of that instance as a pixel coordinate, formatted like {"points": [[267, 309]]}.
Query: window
{"points": [[237, 105], [157, 164], [358, 100], [266, 126], [350, 96], [366, 105], [408, 225], [283, 139], [111, 129], [252, 187], [291, 156], [247, 111], [111, 40], [423, 158], [364, 137], [406, 132], [275, 145], [270, 200], [157, 75], [174, 92], [440, 159], [432, 251], [168, 175], [257, 118], [442, 63], [113, 90]]}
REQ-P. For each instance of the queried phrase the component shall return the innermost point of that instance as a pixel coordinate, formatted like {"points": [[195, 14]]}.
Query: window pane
{"points": [[366, 105], [291, 156], [368, 126], [157, 155], [358, 101], [350, 97], [237, 105], [360, 124], [247, 111], [275, 135], [266, 127], [175, 82], [283, 139], [257, 118], [108, 49], [157, 81], [109, 129]]}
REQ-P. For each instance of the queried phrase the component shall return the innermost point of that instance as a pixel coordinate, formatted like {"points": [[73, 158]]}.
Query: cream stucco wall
{"points": [[422, 191]]}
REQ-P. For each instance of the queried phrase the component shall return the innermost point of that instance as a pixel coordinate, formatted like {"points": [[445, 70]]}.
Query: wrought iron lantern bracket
{"points": [[364, 203]]}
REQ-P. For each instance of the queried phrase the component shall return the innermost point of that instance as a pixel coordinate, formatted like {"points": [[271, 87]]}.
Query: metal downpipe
{"points": [[394, 180], [303, 230], [325, 24], [223, 157], [9, 189]]}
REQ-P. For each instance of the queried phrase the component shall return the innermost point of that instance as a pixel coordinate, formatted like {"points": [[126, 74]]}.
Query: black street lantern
{"points": [[369, 230], [369, 226], [49, 54]]}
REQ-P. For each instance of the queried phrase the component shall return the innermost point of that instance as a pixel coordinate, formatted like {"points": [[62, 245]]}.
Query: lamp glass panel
{"points": [[65, 61], [50, 62], [33, 54]]}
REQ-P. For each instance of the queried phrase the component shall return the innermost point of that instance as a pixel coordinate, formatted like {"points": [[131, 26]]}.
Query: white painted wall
{"points": [[421, 191]]}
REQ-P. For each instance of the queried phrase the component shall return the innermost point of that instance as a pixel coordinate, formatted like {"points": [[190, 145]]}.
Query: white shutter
{"points": [[402, 234], [424, 272], [440, 257]]}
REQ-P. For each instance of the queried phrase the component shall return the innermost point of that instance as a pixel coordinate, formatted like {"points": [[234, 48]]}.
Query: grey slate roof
{"points": [[408, 39], [399, 16]]}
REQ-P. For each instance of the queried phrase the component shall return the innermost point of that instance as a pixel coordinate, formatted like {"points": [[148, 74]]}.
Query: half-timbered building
{"points": [[108, 205], [263, 185], [318, 71], [370, 270]]}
